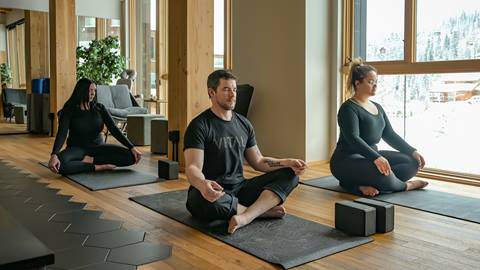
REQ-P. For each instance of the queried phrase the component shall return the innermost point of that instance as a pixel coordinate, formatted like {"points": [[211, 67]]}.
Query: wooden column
{"points": [[190, 61], [100, 28], [63, 43], [132, 35], [37, 61]]}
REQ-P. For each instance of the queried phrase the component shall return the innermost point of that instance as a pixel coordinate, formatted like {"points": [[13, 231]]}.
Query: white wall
{"points": [[283, 48], [98, 8], [36, 5], [269, 53], [92, 8]]}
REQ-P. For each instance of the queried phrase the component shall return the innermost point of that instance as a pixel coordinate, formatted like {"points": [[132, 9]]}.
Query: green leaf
{"points": [[100, 61]]}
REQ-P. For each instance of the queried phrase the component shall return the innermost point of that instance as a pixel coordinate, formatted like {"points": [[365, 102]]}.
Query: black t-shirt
{"points": [[84, 128], [360, 131], [224, 144]]}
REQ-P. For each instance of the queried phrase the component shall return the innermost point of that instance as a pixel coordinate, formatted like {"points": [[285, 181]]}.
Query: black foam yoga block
{"points": [[385, 214], [167, 169], [355, 218]]}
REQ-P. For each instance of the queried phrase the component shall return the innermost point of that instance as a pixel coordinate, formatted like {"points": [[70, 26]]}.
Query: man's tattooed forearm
{"points": [[272, 163]]}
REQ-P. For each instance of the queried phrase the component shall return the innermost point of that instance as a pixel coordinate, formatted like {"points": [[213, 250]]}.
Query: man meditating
{"points": [[216, 142]]}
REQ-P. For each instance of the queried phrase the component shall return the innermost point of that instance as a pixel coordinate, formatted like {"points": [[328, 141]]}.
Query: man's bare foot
{"points": [[368, 191], [416, 184], [236, 222], [87, 159], [104, 167], [275, 212]]}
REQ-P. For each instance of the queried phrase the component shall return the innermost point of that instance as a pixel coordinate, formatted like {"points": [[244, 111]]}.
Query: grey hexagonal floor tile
{"points": [[78, 257], [140, 253], [93, 226], [27, 215], [22, 181], [52, 234], [37, 193], [62, 241], [61, 207], [75, 216], [108, 266], [50, 199], [38, 224], [114, 239]]}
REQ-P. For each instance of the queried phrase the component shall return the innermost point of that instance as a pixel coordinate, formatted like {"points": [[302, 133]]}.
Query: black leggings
{"points": [[281, 182], [354, 170], [71, 158]]}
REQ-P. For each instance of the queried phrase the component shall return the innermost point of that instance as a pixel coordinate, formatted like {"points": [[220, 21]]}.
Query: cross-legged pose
{"points": [[356, 162], [83, 119], [216, 142]]}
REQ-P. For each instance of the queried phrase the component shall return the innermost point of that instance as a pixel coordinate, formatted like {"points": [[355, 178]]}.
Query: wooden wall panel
{"points": [[37, 60], [101, 28], [190, 52], [20, 41]]}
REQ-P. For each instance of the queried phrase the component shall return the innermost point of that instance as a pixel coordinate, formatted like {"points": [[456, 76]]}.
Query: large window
{"points": [[376, 40], [428, 56], [113, 27], [218, 34], [148, 51], [452, 32], [145, 48], [86, 30], [222, 34], [437, 114]]}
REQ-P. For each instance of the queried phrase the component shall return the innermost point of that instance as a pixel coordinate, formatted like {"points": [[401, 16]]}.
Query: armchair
{"points": [[12, 98], [119, 102]]}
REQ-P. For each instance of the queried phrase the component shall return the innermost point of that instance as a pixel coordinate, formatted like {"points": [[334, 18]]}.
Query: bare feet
{"points": [[236, 222], [104, 167], [416, 184], [87, 159], [368, 191], [241, 220], [275, 212]]}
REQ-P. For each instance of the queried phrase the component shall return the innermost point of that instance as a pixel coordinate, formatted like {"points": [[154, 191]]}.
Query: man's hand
{"points": [[136, 154], [297, 165], [54, 163], [211, 190], [419, 158], [382, 165]]}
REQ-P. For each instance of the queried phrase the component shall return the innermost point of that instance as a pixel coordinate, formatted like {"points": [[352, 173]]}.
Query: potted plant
{"points": [[5, 74], [100, 61]]}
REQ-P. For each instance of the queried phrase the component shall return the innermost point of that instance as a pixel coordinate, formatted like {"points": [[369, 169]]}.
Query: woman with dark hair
{"points": [[83, 119], [356, 162]]}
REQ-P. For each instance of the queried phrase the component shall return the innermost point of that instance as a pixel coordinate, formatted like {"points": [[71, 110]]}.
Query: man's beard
{"points": [[228, 106]]}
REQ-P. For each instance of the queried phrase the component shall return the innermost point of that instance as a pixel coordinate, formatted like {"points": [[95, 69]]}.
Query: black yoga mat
{"points": [[120, 177], [437, 202], [289, 242]]}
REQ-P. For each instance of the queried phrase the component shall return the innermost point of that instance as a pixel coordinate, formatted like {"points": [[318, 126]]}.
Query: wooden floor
{"points": [[420, 240], [7, 127]]}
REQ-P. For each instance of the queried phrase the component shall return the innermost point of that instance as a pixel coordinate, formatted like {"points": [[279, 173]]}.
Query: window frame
{"points": [[407, 66]]}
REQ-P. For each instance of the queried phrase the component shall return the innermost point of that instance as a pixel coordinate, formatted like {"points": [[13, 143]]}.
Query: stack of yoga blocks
{"points": [[364, 217]]}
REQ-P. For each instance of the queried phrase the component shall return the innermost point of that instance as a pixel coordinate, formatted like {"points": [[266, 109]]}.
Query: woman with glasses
{"points": [[356, 162]]}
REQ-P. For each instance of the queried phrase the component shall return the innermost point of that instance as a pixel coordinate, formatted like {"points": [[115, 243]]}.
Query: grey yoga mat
{"points": [[120, 177], [437, 202], [289, 242]]}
